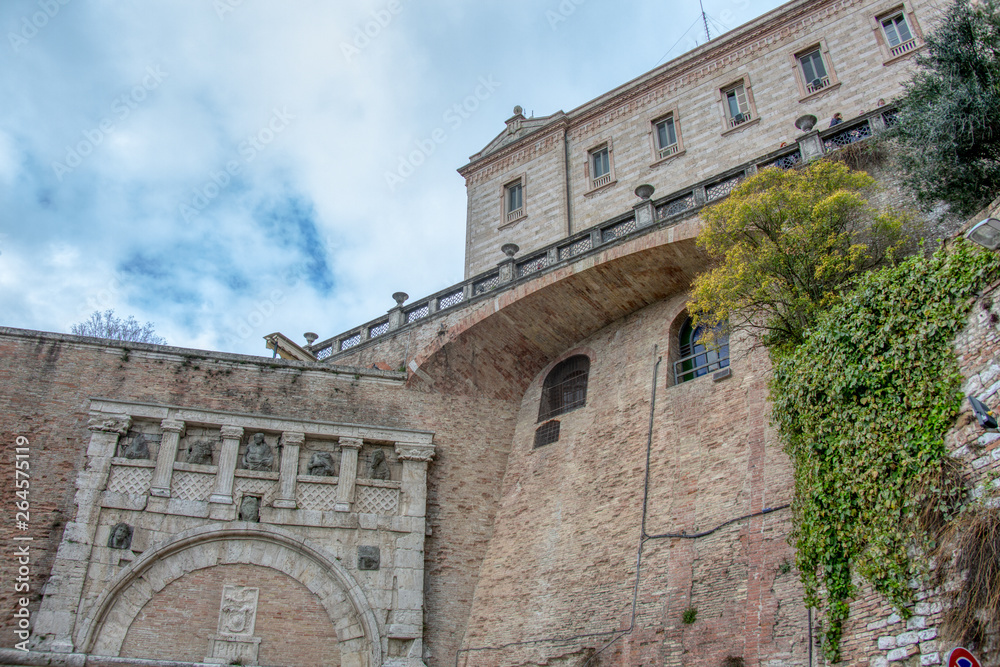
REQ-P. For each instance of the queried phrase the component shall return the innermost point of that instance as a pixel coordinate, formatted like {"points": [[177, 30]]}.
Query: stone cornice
{"points": [[107, 407]]}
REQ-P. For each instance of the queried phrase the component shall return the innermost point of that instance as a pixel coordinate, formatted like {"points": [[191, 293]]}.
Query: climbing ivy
{"points": [[863, 405]]}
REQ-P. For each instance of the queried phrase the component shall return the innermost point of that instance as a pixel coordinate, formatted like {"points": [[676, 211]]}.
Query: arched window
{"points": [[697, 360], [565, 387]]}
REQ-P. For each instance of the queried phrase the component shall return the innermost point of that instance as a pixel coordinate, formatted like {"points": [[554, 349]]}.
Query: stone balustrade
{"points": [[645, 216]]}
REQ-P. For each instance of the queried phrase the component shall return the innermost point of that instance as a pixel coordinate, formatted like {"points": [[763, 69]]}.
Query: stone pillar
{"points": [[348, 473], [507, 272], [396, 316], [290, 444], [223, 494], [173, 429], [644, 214], [56, 619], [810, 146], [415, 458]]}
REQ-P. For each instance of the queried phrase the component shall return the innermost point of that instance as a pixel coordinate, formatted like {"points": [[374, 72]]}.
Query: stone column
{"points": [[415, 457], [223, 494], [173, 429], [56, 619], [348, 473], [290, 444]]}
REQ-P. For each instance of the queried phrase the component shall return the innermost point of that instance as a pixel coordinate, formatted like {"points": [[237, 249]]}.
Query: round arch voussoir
{"points": [[103, 633]]}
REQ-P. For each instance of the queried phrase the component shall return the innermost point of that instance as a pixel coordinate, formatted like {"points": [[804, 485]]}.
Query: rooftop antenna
{"points": [[704, 19]]}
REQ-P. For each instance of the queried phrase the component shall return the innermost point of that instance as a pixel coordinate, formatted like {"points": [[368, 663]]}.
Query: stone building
{"points": [[538, 466]]}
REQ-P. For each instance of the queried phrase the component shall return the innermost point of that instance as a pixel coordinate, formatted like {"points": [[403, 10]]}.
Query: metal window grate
{"points": [[785, 161], [486, 284], [418, 313], [577, 247], [323, 352], [378, 329], [890, 118], [547, 433], [617, 231], [565, 387], [722, 188], [848, 136], [676, 206], [533, 265], [449, 300], [348, 343]]}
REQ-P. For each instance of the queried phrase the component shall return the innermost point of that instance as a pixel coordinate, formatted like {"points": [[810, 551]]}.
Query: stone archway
{"points": [[351, 617]]}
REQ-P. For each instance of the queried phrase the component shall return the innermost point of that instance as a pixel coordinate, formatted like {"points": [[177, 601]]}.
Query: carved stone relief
{"points": [[137, 449], [378, 467], [200, 453], [235, 643], [120, 537], [258, 455], [322, 464]]}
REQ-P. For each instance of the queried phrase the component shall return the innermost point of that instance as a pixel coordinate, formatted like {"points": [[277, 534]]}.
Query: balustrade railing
{"points": [[668, 210]]}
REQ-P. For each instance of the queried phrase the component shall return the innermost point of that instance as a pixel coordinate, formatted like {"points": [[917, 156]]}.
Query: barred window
{"points": [[696, 359], [565, 387], [547, 433]]}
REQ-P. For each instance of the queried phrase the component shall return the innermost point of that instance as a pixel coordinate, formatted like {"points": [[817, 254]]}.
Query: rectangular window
{"points": [[666, 137], [814, 71], [897, 32], [600, 167], [737, 105], [514, 201]]}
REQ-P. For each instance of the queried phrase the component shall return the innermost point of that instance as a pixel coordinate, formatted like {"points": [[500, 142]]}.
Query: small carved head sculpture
{"points": [[250, 509], [137, 449], [258, 455], [200, 453], [120, 537], [378, 468], [322, 464]]}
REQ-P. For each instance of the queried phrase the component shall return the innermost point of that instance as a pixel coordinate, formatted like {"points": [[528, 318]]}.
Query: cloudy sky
{"points": [[230, 168]]}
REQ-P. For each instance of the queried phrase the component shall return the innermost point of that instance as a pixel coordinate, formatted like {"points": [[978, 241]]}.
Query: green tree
{"points": [[949, 128], [784, 244]]}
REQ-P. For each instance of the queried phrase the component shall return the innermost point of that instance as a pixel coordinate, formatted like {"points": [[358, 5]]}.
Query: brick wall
{"points": [[177, 623], [47, 380]]}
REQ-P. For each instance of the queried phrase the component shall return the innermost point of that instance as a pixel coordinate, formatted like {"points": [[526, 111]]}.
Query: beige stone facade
{"points": [[552, 155]]}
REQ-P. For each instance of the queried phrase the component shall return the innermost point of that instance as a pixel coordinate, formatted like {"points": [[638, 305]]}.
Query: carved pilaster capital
{"points": [[232, 432], [292, 438], [351, 443], [119, 424], [172, 426], [409, 451]]}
